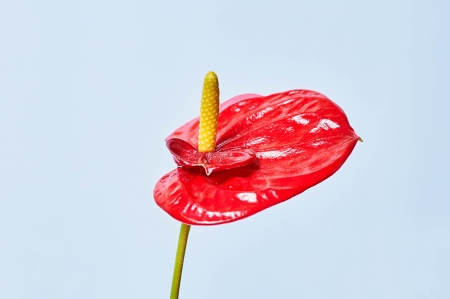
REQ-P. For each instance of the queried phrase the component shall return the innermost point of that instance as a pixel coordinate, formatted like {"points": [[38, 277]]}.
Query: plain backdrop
{"points": [[90, 89]]}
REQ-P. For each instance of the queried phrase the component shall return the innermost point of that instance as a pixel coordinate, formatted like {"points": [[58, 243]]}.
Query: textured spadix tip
{"points": [[211, 77], [209, 112]]}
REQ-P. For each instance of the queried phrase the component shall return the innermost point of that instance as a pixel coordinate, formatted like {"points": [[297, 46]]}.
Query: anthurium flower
{"points": [[268, 149]]}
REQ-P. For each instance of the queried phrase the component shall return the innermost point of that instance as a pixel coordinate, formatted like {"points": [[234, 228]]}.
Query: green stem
{"points": [[179, 259]]}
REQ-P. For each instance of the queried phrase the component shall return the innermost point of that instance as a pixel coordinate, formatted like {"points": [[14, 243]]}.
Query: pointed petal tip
{"points": [[208, 170]]}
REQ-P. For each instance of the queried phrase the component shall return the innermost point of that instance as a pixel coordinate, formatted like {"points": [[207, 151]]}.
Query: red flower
{"points": [[269, 149]]}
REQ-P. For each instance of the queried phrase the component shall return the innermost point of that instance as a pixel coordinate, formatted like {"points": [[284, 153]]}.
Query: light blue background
{"points": [[90, 89]]}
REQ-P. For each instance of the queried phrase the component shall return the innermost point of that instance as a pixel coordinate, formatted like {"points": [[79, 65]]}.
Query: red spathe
{"points": [[268, 150]]}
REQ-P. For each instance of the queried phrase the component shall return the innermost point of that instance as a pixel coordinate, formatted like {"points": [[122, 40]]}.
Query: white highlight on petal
{"points": [[325, 124], [316, 144], [248, 197], [300, 120], [199, 210], [222, 215], [186, 208], [273, 154], [262, 112], [256, 141]]}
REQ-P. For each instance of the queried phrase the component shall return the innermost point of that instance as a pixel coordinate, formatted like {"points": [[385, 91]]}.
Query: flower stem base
{"points": [[179, 260]]}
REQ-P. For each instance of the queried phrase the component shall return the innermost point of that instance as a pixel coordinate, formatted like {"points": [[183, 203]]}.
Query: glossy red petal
{"points": [[300, 138], [186, 155]]}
